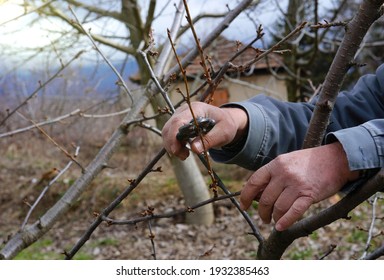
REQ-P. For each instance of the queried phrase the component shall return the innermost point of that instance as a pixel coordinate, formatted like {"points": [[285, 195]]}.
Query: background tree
{"points": [[312, 51]]}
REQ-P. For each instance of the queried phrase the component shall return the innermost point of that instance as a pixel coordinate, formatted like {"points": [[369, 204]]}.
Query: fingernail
{"points": [[198, 147], [242, 207], [279, 227]]}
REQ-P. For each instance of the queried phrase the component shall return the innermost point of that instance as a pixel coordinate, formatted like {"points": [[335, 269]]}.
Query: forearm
{"points": [[277, 127]]}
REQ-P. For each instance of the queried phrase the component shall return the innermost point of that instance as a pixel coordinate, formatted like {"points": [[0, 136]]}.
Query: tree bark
{"points": [[368, 13]]}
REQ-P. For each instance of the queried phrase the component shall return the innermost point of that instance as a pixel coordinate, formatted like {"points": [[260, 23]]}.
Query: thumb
{"points": [[198, 146], [217, 137]]}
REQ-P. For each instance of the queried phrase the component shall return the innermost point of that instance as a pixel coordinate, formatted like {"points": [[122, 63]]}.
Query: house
{"points": [[260, 77]]}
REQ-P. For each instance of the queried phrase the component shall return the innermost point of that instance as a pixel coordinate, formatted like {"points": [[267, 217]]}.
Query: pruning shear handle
{"points": [[190, 130]]}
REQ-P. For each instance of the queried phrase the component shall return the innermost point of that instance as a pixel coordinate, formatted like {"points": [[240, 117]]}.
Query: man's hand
{"points": [[231, 123], [288, 185]]}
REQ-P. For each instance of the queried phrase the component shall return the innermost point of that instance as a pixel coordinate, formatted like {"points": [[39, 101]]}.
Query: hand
{"points": [[231, 123], [288, 185]]}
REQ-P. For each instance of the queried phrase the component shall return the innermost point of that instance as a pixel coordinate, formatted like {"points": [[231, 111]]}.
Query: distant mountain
{"points": [[80, 78], [104, 78]]}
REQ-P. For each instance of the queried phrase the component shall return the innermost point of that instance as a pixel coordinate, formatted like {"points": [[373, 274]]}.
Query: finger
{"points": [[254, 187], [283, 203], [294, 213], [267, 201]]}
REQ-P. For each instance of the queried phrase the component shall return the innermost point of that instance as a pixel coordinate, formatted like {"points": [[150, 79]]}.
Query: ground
{"points": [[227, 238]]}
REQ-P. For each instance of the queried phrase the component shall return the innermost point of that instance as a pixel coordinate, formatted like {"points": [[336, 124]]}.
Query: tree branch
{"points": [[121, 80], [33, 232], [355, 32], [96, 10], [41, 86], [97, 38]]}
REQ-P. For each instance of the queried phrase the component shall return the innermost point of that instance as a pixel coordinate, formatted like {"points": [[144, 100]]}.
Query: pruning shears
{"points": [[190, 130]]}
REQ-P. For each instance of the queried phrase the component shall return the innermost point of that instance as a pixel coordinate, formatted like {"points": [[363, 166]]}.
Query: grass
{"points": [[42, 250]]}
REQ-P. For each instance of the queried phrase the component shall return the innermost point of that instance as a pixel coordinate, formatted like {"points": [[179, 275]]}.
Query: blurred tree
{"points": [[126, 27], [313, 50]]}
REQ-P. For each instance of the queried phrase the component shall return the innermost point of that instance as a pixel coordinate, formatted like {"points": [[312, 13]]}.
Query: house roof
{"points": [[222, 49]]}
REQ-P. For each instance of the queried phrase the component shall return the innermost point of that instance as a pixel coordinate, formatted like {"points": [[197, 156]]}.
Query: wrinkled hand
{"points": [[288, 185], [230, 124]]}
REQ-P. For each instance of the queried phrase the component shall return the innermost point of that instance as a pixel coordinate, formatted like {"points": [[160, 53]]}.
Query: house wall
{"points": [[241, 88]]}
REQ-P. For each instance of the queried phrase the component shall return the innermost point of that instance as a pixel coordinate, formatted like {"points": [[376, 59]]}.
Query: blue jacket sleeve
{"points": [[277, 127]]}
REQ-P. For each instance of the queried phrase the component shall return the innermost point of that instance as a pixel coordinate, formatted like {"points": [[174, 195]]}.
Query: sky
{"points": [[20, 32], [37, 35]]}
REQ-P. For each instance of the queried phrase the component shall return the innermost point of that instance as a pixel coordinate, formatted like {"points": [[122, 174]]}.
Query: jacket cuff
{"points": [[248, 156], [359, 147]]}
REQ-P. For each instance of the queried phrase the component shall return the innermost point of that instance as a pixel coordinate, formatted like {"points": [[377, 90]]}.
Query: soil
{"points": [[167, 238]]}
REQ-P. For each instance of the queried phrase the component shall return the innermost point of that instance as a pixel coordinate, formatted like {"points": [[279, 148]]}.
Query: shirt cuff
{"points": [[359, 147], [248, 156]]}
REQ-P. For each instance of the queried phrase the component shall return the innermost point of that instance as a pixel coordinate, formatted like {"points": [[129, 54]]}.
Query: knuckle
{"points": [[297, 211], [265, 201], [301, 206], [279, 209]]}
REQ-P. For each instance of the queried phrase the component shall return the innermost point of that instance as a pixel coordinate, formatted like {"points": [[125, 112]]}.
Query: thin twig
{"points": [[54, 142], [121, 80], [134, 183], [41, 86], [188, 100], [197, 40], [150, 127], [156, 81], [371, 227], [331, 248], [188, 209], [278, 44], [152, 238], [46, 188], [27, 12], [99, 116], [328, 24], [255, 230], [40, 124]]}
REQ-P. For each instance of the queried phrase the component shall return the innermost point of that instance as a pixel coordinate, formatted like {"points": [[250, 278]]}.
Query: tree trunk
{"points": [[194, 189], [189, 178]]}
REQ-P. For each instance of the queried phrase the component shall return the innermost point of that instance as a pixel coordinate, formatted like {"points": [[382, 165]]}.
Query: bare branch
{"points": [[95, 9], [230, 16], [174, 213], [328, 24], [46, 188], [375, 254], [355, 32], [98, 38], [28, 12], [40, 124], [121, 80], [41, 86], [33, 232], [157, 83], [61, 148], [114, 204], [371, 227]]}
